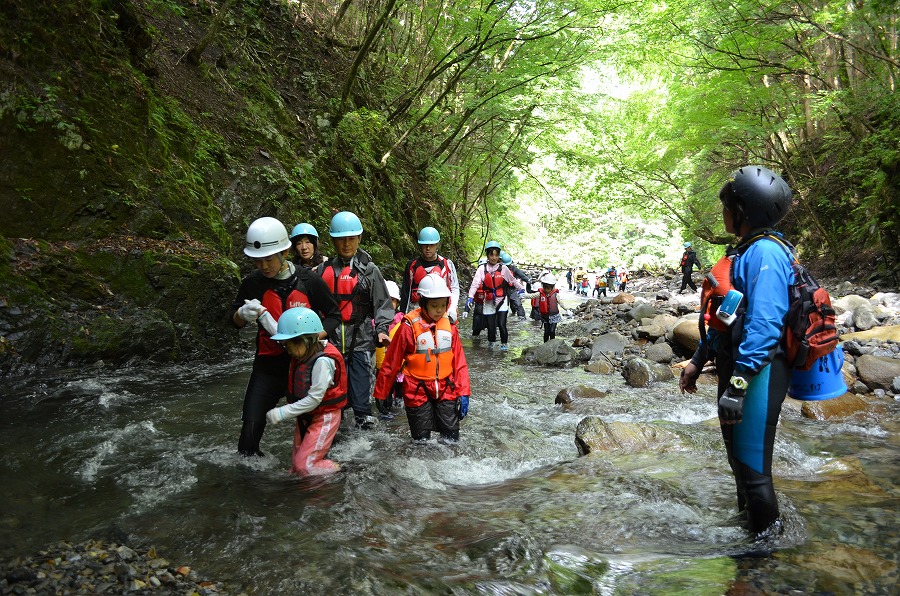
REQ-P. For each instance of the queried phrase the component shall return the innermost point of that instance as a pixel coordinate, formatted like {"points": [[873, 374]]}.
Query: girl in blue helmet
{"points": [[495, 279], [305, 246]]}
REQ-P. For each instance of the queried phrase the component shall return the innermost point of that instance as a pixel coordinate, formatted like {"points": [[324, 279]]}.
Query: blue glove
{"points": [[462, 406], [731, 405], [470, 302]]}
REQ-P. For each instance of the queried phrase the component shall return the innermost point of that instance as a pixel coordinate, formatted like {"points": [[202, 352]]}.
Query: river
{"points": [[148, 454]]}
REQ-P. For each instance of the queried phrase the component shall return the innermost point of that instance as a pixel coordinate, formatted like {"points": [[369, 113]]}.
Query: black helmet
{"points": [[757, 196]]}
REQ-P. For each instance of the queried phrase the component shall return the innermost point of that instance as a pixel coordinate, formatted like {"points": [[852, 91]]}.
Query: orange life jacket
{"points": [[711, 296], [300, 380], [433, 357]]}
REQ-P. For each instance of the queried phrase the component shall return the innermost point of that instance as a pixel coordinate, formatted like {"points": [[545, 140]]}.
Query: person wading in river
{"points": [[317, 391], [428, 261], [495, 279], [274, 287], [426, 347], [753, 374]]}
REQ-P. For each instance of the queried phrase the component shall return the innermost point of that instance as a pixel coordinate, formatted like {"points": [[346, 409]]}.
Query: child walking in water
{"points": [[426, 347], [317, 391], [548, 305]]}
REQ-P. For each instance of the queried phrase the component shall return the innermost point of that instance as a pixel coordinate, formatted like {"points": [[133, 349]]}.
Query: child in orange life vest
{"points": [[397, 391], [317, 391], [623, 280], [548, 305], [436, 385]]}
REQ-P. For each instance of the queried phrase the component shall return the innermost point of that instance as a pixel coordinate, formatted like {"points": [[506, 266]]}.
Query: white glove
{"points": [[274, 416], [465, 314], [251, 310], [268, 322]]}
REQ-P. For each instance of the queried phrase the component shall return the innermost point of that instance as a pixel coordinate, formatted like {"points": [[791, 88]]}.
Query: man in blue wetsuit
{"points": [[752, 371]]}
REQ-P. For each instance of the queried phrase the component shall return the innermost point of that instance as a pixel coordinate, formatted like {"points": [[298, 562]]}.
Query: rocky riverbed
{"points": [[97, 567]]}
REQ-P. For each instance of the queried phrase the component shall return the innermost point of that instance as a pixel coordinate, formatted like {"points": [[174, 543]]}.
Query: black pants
{"points": [[493, 322], [268, 383], [439, 415], [549, 329], [478, 319], [687, 281]]}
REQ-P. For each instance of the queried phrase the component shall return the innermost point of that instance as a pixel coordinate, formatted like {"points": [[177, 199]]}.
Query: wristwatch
{"points": [[739, 383]]}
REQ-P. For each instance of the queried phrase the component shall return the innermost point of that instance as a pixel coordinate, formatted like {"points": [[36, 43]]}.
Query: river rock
{"points": [[600, 367], [649, 332], [593, 434], [641, 310], [863, 317], [848, 303], [839, 407], [661, 353], [686, 333], [884, 333], [570, 394], [554, 353], [877, 372], [623, 298], [639, 372], [608, 343]]}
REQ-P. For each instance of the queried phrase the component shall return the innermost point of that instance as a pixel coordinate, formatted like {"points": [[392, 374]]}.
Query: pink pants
{"points": [[311, 445]]}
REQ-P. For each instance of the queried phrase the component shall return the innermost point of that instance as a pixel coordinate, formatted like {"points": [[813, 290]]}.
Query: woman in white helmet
{"points": [[274, 287], [426, 347]]}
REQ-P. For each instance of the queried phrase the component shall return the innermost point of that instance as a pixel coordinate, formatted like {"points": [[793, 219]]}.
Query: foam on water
{"points": [[108, 448]]}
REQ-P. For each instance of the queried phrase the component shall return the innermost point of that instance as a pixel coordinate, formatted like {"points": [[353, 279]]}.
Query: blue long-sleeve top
{"points": [[763, 274]]}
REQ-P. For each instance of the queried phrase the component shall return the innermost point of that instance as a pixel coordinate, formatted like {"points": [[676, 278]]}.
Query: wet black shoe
{"points": [[365, 422]]}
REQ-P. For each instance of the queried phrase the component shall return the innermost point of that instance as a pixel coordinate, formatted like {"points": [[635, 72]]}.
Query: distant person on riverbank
{"points": [[305, 246], [365, 307], [612, 278], [688, 260], [547, 298], [275, 286], [428, 261], [600, 285], [316, 391], [569, 278], [426, 347], [494, 278], [753, 373], [623, 279]]}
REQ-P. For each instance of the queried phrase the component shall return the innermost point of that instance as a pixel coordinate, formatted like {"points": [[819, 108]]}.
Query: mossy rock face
{"points": [[117, 301]]}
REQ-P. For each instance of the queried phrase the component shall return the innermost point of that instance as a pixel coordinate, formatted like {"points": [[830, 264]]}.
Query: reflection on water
{"points": [[149, 453]]}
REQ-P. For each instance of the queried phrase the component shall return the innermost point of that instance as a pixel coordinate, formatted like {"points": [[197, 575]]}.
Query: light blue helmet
{"points": [[491, 245], [303, 229], [429, 235], [345, 224], [297, 321], [687, 244], [507, 260]]}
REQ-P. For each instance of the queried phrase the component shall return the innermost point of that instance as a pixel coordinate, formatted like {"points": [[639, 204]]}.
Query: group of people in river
{"points": [[321, 321]]}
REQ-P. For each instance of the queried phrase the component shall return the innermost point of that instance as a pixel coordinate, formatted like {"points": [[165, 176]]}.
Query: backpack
{"points": [[809, 327]]}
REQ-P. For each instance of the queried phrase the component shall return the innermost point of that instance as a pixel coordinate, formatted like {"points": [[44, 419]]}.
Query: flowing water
{"points": [[149, 453]]}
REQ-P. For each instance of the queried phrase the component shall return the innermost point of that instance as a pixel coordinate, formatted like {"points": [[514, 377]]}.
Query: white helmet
{"points": [[548, 278], [433, 286], [266, 236], [393, 289], [482, 260]]}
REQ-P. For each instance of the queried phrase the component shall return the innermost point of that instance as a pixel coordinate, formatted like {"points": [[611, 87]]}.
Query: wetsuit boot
{"points": [[761, 501], [251, 436]]}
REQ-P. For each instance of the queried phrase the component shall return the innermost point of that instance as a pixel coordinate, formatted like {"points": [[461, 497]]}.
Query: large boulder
{"points": [[623, 298], [877, 372], [649, 332], [661, 353], [839, 407], [608, 343], [848, 303], [863, 317], [890, 332], [686, 333], [641, 310], [593, 434], [639, 372], [570, 394], [554, 353]]}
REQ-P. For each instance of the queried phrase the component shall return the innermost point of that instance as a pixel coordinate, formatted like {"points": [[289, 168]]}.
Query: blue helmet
{"points": [[345, 224], [429, 235], [297, 321], [687, 244], [491, 245], [303, 229], [507, 260]]}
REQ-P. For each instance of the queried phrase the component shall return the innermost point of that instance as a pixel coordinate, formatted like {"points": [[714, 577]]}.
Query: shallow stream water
{"points": [[149, 454]]}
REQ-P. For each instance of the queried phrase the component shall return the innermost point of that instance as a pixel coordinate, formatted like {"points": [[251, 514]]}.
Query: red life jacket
{"points": [[479, 296], [343, 285], [300, 380], [684, 258], [276, 304], [548, 304], [417, 273], [493, 283]]}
